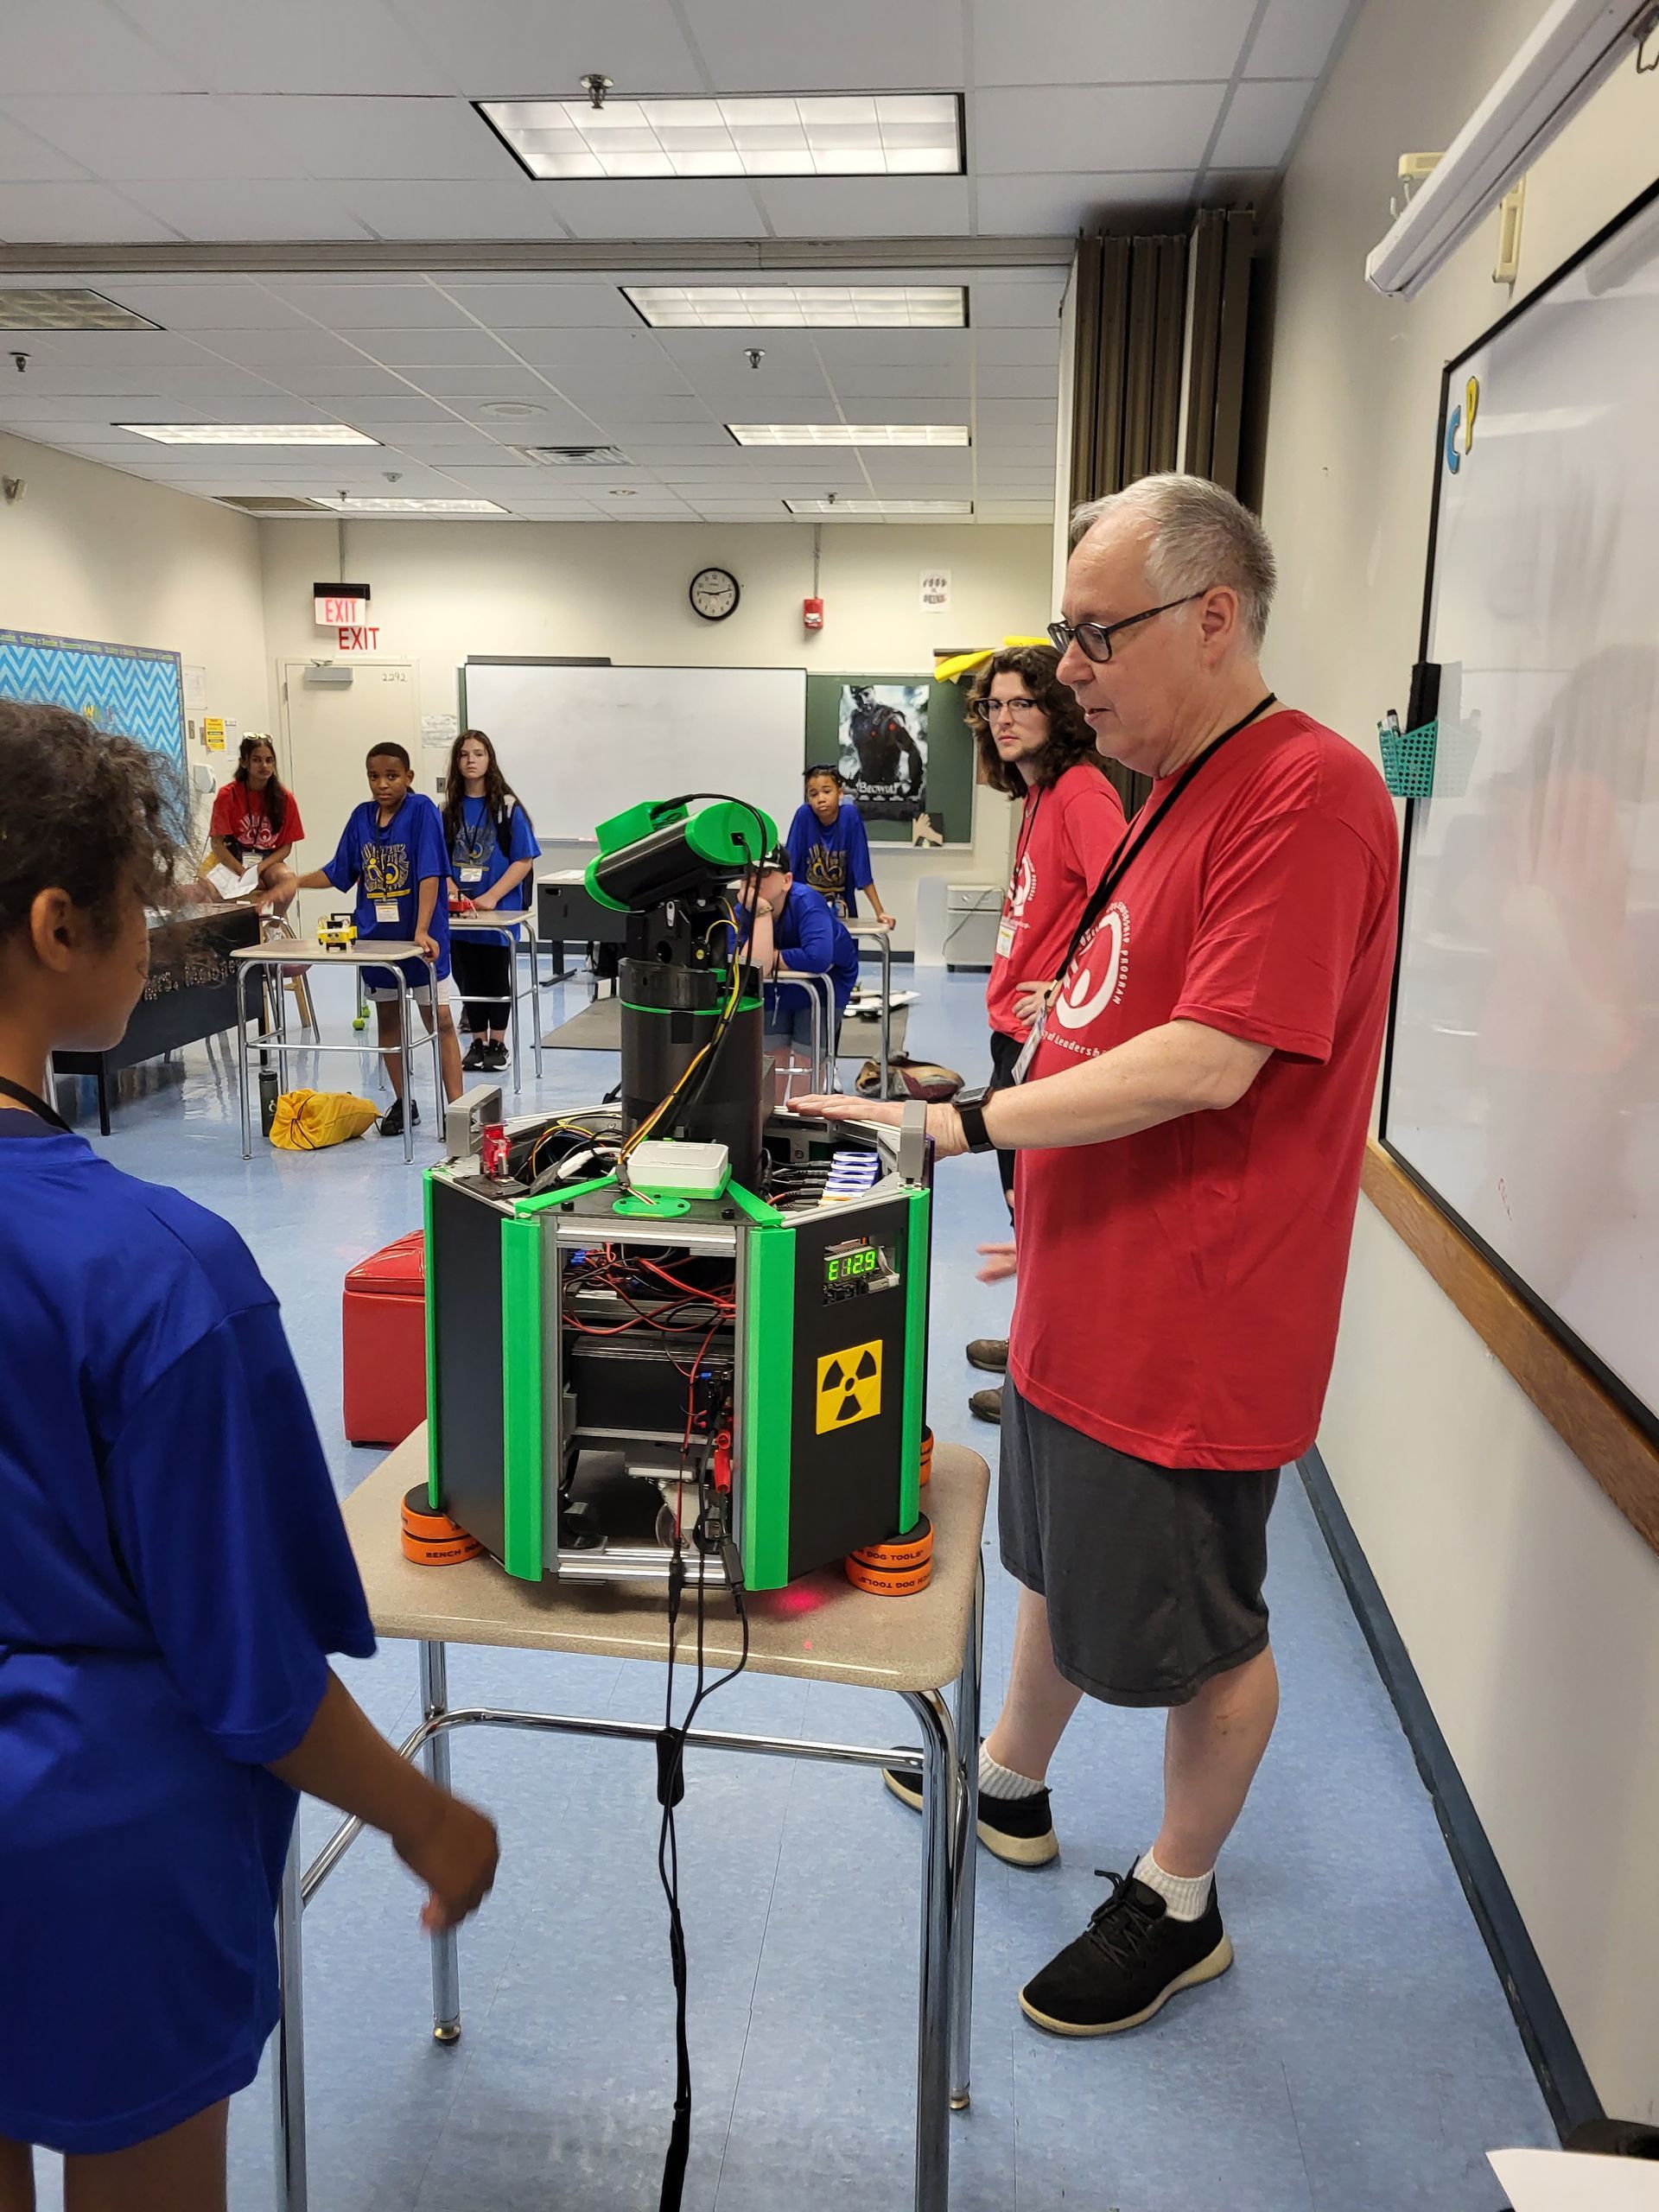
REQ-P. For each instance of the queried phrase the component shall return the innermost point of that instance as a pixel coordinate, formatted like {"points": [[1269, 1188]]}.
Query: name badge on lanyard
{"points": [[1028, 1049], [1005, 939], [471, 875], [385, 909]]}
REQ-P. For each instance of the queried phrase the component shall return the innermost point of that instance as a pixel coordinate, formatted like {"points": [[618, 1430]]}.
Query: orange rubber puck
{"points": [[897, 1569], [433, 1539], [927, 1453]]}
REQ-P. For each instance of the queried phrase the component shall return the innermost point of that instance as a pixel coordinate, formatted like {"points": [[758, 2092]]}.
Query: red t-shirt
{"points": [[242, 817], [1067, 835], [1179, 1290]]}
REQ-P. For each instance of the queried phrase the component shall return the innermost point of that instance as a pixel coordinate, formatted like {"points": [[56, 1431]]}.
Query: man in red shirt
{"points": [[1191, 1125], [1035, 745]]}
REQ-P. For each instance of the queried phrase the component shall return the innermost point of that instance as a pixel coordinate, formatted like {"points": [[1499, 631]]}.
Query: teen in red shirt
{"points": [[1191, 1127], [256, 823]]}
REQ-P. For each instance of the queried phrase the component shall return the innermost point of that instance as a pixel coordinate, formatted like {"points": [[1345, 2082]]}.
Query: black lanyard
{"points": [[1134, 838], [1026, 829], [37, 1106]]}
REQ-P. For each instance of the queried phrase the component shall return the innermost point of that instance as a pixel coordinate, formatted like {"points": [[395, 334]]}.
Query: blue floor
{"points": [[1360, 2058]]}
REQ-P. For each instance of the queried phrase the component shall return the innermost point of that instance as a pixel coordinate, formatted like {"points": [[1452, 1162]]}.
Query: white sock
{"points": [[1187, 1897], [996, 1781]]}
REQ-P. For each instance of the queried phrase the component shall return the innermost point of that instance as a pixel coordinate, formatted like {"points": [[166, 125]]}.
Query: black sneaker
{"points": [[1019, 1831], [1128, 1963], [498, 1058], [989, 1352], [391, 1122], [986, 1405], [477, 1060]]}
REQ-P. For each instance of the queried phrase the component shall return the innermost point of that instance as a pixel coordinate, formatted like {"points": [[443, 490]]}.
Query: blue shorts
{"points": [[382, 982]]}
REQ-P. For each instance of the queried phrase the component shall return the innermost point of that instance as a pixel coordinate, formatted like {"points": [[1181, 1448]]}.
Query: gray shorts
{"points": [[1153, 1575]]}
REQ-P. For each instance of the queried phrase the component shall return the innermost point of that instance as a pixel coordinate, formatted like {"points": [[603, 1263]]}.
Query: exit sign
{"points": [[338, 606]]}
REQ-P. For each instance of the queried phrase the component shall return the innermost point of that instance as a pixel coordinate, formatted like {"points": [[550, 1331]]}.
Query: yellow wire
{"points": [[657, 1112]]}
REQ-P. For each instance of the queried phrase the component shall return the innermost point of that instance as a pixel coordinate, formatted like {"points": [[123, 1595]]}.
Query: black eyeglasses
{"points": [[1094, 639]]}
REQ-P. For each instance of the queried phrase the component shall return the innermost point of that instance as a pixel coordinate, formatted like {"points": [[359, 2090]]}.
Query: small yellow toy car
{"points": [[336, 933]]}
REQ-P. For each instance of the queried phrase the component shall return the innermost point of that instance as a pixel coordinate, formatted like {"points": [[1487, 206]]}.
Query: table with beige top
{"points": [[918, 1648]]}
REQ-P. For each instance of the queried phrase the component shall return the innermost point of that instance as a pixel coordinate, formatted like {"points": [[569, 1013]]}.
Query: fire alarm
{"points": [[812, 613]]}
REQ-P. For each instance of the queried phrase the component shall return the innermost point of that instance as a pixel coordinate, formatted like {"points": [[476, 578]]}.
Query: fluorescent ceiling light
{"points": [[1573, 46], [372, 506], [799, 307], [65, 307], [880, 506], [849, 434], [838, 134], [249, 434]]}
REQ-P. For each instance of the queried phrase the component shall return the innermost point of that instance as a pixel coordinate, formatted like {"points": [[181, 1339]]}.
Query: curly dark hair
{"points": [[1070, 738], [275, 797], [82, 812]]}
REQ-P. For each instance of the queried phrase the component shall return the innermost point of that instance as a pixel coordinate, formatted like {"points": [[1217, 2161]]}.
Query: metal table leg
{"points": [[288, 2052], [242, 973], [933, 2025], [962, 1926], [405, 1062], [536, 997], [446, 1957], [513, 1007], [438, 1099]]}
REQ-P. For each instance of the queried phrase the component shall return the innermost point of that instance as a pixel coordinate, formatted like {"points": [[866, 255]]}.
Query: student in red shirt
{"points": [[1190, 1124], [256, 823], [1035, 746]]}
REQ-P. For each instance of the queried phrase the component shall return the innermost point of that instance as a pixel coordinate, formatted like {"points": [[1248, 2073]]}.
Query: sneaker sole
{"points": [[987, 1366], [1012, 1850], [1209, 1969]]}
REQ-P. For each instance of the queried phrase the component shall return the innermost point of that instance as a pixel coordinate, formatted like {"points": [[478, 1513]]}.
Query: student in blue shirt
{"points": [[793, 927], [491, 846], [174, 1572], [829, 850], [392, 850]]}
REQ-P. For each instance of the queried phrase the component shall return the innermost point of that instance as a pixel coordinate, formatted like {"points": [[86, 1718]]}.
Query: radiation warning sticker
{"points": [[850, 1387]]}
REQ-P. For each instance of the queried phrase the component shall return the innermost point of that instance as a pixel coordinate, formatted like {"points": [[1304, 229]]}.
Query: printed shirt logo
{"points": [[1103, 975], [1022, 890], [385, 872], [826, 868]]}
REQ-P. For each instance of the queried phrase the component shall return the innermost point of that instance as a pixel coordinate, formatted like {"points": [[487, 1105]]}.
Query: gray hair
{"points": [[1197, 536]]}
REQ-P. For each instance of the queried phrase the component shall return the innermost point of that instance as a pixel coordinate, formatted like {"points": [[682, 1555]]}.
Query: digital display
{"points": [[845, 1265]]}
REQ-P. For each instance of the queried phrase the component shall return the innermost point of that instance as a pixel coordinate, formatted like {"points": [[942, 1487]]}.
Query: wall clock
{"points": [[714, 593]]}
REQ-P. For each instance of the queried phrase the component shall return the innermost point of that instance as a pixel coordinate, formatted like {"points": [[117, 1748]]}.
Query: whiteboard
{"points": [[1524, 1077], [581, 744]]}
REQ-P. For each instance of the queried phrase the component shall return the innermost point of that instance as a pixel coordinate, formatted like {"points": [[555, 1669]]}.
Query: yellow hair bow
{"points": [[947, 672]]}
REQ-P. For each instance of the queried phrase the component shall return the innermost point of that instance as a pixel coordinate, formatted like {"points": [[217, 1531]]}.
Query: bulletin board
{"points": [[135, 690], [950, 788]]}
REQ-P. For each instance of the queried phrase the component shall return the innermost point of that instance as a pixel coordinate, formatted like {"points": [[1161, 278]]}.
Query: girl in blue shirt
{"points": [[174, 1572], [794, 926], [828, 848], [492, 846]]}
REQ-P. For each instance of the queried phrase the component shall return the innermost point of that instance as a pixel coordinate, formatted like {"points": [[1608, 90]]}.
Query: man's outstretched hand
{"points": [[944, 1123]]}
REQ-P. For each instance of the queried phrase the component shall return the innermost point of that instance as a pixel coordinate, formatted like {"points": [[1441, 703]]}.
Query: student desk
{"points": [[915, 1648], [516, 923], [367, 952]]}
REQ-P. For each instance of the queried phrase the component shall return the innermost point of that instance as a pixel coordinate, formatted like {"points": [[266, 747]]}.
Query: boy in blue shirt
{"points": [[829, 850], [392, 849], [174, 1572], [793, 927]]}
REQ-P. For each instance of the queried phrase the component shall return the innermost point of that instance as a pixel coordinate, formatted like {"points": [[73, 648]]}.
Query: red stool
{"points": [[383, 1315]]}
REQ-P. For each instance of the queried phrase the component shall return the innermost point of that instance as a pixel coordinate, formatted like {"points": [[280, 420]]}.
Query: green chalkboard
{"points": [[949, 786]]}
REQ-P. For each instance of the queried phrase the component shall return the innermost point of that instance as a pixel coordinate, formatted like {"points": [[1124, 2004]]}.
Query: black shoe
{"points": [[1019, 1831], [498, 1058], [391, 1122], [1128, 1963], [477, 1060], [989, 1352], [986, 1405]]}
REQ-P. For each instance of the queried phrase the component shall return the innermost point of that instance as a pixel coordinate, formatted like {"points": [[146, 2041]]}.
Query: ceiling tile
{"points": [[227, 303], [343, 304], [1018, 382], [27, 159], [513, 208], [542, 305], [413, 350], [629, 207], [1295, 37], [378, 136], [466, 387], [682, 409], [1040, 346], [303, 46], [505, 49], [866, 207], [992, 416], [1136, 42], [916, 46], [247, 207], [354, 381], [949, 387], [82, 46], [75, 215], [1019, 207], [273, 352], [596, 349], [144, 135], [1079, 129], [910, 349], [1260, 123], [143, 352]]}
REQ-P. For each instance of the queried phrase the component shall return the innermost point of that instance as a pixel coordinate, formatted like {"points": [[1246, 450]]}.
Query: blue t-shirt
{"points": [[478, 861], [835, 861], [391, 865], [172, 1574], [810, 938]]}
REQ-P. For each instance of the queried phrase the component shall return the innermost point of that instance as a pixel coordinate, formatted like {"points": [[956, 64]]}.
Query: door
{"points": [[327, 730]]}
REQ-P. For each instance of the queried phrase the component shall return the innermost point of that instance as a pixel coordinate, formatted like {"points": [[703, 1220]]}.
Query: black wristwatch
{"points": [[970, 1107]]}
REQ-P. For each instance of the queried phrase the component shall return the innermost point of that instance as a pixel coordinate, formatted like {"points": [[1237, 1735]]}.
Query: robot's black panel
{"points": [[464, 1277]]}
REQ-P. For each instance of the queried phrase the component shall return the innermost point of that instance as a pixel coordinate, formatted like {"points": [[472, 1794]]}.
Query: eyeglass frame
{"points": [[1063, 635], [1019, 708]]}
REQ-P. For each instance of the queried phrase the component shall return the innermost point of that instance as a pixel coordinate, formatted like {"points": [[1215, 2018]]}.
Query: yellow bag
{"points": [[308, 1121]]}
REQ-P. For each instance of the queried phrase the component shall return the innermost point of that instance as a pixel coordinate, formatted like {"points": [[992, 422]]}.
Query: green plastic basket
{"points": [[1408, 760]]}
